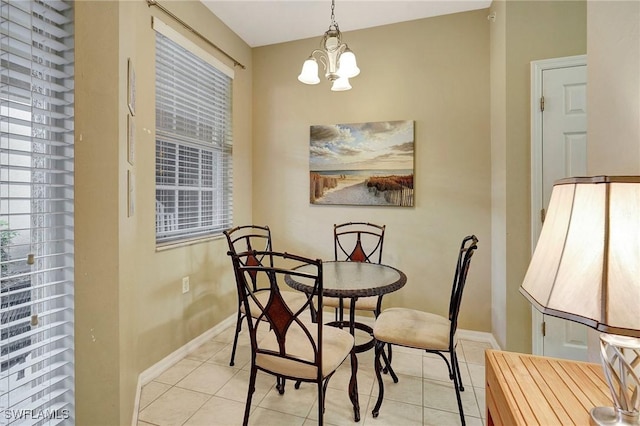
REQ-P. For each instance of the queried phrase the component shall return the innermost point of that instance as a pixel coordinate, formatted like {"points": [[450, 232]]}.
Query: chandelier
{"points": [[338, 60]]}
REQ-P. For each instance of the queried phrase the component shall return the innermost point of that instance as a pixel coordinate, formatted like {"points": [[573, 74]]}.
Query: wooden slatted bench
{"points": [[524, 389]]}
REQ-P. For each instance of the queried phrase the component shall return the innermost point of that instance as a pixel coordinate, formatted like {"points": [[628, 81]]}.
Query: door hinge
{"points": [[543, 215], [541, 103], [544, 328]]}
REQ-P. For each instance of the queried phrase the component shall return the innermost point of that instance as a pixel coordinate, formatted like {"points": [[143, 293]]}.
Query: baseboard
{"points": [[158, 368], [480, 336]]}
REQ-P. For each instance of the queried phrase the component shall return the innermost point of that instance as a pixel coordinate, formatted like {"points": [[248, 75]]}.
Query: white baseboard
{"points": [[158, 368], [479, 336]]}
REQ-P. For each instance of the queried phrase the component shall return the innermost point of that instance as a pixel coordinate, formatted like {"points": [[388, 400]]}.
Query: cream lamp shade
{"points": [[586, 265], [586, 268]]}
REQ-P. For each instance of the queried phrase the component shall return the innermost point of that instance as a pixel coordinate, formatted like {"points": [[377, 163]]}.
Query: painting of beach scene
{"points": [[362, 164]]}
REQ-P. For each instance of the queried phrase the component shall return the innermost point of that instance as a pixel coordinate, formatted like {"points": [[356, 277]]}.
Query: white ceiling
{"points": [[264, 22]]}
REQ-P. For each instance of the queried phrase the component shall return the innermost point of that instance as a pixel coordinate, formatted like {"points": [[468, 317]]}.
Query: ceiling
{"points": [[264, 22]]}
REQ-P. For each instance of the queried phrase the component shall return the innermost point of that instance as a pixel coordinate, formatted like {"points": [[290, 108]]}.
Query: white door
{"points": [[562, 121]]}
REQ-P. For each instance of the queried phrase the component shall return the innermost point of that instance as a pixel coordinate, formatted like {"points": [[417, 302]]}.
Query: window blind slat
{"points": [[44, 286], [34, 361], [36, 209], [27, 394]]}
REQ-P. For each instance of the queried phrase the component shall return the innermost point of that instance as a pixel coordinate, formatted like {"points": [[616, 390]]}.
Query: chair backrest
{"points": [[275, 315], [358, 242], [250, 238], [467, 248]]}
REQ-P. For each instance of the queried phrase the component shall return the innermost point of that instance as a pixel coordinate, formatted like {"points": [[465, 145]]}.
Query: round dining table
{"points": [[352, 280]]}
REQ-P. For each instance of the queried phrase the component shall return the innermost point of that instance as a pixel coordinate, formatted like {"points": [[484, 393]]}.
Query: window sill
{"points": [[187, 242]]}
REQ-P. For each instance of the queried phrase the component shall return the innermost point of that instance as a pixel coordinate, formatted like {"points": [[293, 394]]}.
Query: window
{"points": [[193, 140], [36, 212]]}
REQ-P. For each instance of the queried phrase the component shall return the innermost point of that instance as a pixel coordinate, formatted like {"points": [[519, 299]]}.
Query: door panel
{"points": [[564, 154]]}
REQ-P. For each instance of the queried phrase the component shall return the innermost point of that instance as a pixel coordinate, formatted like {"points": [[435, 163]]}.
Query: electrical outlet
{"points": [[185, 284]]}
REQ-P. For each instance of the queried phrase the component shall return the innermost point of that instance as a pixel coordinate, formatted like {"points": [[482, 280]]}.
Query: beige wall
{"points": [[440, 72], [613, 96], [532, 30], [434, 71], [613, 93], [130, 311]]}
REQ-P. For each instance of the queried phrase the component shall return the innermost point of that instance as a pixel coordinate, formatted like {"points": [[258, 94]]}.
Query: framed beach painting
{"points": [[367, 164]]}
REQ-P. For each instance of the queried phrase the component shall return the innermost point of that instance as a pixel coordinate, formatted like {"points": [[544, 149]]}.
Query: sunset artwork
{"points": [[362, 164]]}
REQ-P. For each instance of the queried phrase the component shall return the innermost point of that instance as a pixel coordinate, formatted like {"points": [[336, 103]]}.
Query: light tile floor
{"points": [[202, 389]]}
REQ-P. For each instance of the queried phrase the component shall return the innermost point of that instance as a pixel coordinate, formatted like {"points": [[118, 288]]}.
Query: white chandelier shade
{"points": [[309, 74], [341, 84]]}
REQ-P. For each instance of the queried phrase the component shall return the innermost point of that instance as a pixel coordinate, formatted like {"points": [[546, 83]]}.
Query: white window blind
{"points": [[36, 212], [193, 144]]}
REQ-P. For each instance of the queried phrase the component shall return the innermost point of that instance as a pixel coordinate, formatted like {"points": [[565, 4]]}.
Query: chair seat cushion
{"points": [[336, 346], [293, 299], [415, 329], [363, 303]]}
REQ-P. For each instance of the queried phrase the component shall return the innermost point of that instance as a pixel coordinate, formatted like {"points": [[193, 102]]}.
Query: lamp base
{"points": [[620, 357], [609, 416]]}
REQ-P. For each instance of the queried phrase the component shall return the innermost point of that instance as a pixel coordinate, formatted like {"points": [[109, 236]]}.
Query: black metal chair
{"points": [[291, 345], [427, 331], [358, 242], [253, 237]]}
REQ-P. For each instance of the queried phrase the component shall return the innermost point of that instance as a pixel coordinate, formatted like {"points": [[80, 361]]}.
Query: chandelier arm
{"points": [[321, 56]]}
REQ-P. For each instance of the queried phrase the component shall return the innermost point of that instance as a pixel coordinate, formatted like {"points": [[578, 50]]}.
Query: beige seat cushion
{"points": [[362, 304], [336, 346], [293, 299], [415, 329]]}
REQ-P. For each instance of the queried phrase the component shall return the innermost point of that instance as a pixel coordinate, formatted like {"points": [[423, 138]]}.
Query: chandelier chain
{"points": [[333, 24]]}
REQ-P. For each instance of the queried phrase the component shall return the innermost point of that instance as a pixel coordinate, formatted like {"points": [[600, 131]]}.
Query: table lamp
{"points": [[586, 268]]}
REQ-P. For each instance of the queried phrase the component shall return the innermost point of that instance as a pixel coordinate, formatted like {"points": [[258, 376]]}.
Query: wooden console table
{"points": [[526, 389]]}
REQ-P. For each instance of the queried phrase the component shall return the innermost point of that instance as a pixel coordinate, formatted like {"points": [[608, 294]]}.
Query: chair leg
{"points": [[388, 359], [454, 360], [280, 382], [378, 368], [252, 389], [388, 365], [457, 383], [452, 372], [320, 403], [235, 339], [324, 389], [458, 389]]}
